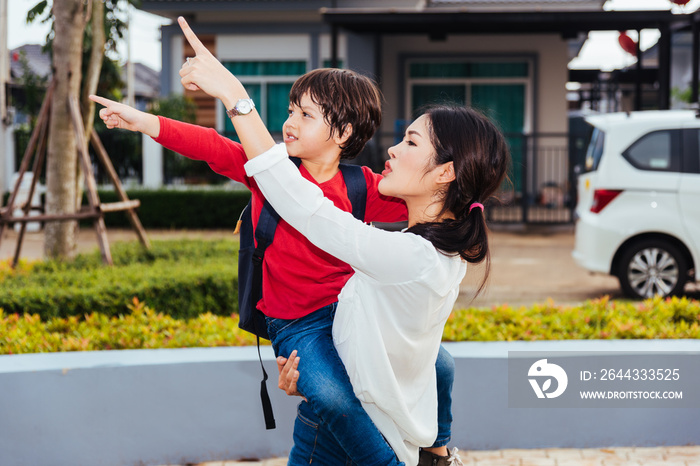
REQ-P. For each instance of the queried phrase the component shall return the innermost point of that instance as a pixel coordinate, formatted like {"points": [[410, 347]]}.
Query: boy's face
{"points": [[306, 133]]}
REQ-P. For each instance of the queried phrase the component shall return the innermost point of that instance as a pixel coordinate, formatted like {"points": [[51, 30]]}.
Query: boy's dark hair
{"points": [[345, 98]]}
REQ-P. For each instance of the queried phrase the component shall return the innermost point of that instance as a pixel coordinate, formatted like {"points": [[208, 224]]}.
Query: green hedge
{"points": [[193, 209], [145, 328], [595, 319], [180, 278], [186, 209]]}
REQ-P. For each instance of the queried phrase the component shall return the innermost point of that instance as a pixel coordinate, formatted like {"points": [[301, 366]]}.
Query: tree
{"points": [[62, 155], [81, 31]]}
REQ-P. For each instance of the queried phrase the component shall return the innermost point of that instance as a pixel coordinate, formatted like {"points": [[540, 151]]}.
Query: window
{"points": [[499, 88], [327, 63], [595, 150], [691, 150], [268, 83], [658, 151]]}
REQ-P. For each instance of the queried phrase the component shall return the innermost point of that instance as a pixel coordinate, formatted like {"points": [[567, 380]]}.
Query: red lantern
{"points": [[680, 2], [15, 56], [627, 43]]}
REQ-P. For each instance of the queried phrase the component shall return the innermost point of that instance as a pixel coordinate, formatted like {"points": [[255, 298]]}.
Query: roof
{"points": [[457, 20], [183, 6], [146, 80], [38, 61], [522, 5]]}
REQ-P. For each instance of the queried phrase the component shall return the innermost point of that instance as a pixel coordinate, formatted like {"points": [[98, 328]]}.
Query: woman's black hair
{"points": [[480, 156]]}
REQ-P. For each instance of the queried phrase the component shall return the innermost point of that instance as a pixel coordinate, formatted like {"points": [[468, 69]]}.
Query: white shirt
{"points": [[391, 312]]}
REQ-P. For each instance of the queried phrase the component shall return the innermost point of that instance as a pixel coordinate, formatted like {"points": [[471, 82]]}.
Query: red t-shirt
{"points": [[298, 278]]}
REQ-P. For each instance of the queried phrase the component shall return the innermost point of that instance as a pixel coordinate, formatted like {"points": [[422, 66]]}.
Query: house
{"points": [[31, 58], [507, 57], [146, 84]]}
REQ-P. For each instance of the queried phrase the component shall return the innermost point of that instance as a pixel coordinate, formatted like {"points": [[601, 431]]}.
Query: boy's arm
{"points": [[223, 155]]}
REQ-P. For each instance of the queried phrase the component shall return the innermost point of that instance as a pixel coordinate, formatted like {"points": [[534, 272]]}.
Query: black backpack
{"points": [[250, 259]]}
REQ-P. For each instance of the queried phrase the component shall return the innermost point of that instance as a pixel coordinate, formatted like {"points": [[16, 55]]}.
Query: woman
{"points": [[391, 313]]}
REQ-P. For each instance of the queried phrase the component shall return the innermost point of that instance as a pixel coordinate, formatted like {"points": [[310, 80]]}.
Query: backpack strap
{"points": [[264, 234], [356, 185]]}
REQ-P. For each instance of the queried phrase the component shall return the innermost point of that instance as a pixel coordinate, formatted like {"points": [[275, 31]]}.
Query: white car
{"points": [[638, 210]]}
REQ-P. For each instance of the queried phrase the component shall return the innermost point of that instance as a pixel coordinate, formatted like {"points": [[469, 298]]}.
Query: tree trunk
{"points": [[97, 53], [92, 78], [62, 156]]}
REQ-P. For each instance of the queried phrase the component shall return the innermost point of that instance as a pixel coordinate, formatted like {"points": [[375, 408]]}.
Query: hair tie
{"points": [[476, 204]]}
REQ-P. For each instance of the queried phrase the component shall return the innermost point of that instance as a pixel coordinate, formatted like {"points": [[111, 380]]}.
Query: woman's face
{"points": [[409, 162]]}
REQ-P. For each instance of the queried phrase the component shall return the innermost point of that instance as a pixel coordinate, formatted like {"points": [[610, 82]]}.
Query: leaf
{"points": [[546, 385], [36, 11]]}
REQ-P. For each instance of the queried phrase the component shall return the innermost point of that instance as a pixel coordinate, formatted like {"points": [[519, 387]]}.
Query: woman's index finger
{"points": [[191, 37]]}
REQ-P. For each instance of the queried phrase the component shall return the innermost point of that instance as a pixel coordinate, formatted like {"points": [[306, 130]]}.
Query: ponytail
{"points": [[480, 157]]}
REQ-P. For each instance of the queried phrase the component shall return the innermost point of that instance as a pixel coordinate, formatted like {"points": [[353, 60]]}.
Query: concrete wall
{"points": [[181, 406]]}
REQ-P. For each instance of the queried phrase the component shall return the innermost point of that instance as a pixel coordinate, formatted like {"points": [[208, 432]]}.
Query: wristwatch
{"points": [[242, 107]]}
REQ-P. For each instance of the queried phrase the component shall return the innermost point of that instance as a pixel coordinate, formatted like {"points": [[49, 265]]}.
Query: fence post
{"points": [[526, 181], [152, 163], [7, 167]]}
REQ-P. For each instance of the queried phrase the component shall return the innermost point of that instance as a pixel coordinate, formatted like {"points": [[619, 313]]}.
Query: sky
{"points": [[145, 32], [601, 50]]}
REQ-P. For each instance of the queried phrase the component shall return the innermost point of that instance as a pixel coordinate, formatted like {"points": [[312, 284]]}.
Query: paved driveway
{"points": [[528, 268]]}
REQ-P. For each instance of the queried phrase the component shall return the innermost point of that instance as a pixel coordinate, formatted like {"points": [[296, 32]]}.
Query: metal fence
{"points": [[541, 186]]}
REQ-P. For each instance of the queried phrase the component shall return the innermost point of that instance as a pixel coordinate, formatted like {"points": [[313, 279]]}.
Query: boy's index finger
{"points": [[191, 37], [101, 100]]}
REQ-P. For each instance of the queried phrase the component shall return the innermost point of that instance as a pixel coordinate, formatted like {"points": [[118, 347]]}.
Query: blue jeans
{"points": [[326, 385]]}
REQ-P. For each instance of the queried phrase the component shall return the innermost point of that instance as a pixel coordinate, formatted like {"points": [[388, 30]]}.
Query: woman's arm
{"points": [[389, 257]]}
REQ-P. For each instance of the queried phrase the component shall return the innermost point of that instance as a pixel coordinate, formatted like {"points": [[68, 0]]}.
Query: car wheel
{"points": [[651, 268]]}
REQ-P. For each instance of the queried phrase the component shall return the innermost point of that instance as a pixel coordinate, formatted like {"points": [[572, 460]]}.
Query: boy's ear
{"points": [[446, 173], [343, 138]]}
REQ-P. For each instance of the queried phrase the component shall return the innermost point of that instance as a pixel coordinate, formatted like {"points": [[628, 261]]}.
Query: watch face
{"points": [[244, 106]]}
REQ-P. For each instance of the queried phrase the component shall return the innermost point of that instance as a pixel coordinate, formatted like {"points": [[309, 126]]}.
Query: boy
{"points": [[333, 113]]}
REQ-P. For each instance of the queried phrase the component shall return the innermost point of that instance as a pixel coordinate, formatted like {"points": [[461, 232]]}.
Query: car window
{"points": [[691, 150], [595, 150], [658, 150]]}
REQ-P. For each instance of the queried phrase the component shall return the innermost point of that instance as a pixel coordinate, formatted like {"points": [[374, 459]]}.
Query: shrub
{"points": [[193, 209], [145, 328], [141, 328], [180, 278], [595, 319], [168, 208]]}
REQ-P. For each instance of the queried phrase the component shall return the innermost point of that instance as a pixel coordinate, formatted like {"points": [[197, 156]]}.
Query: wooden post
{"points": [[42, 119], [112, 173], [96, 209], [36, 171], [92, 195]]}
